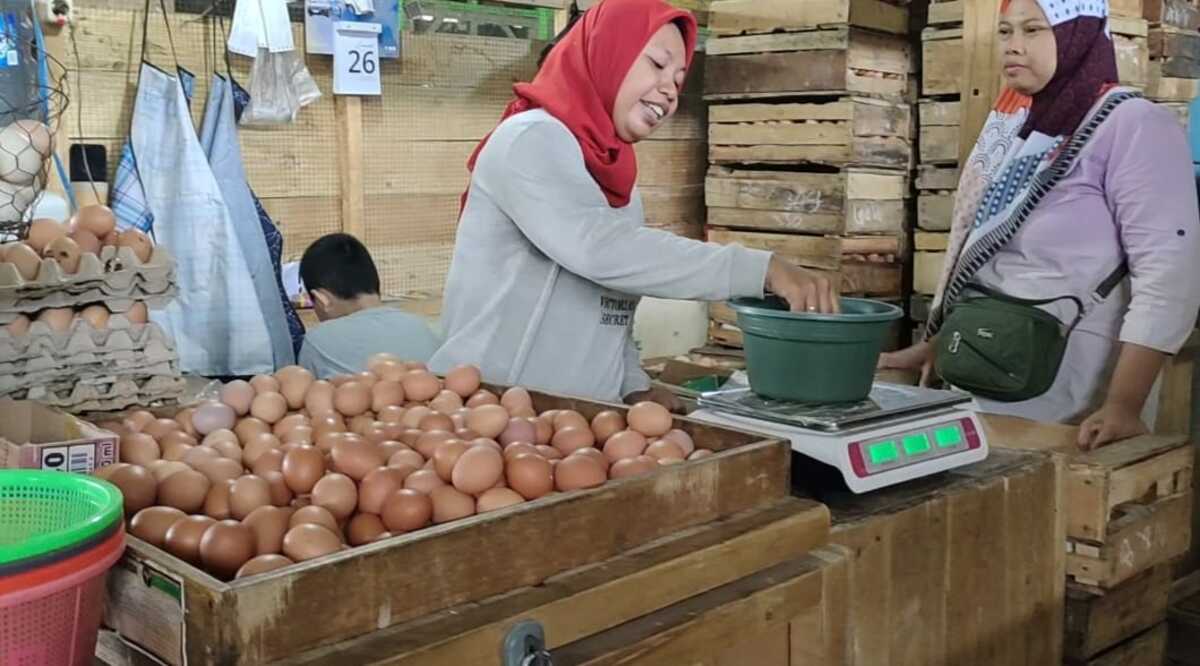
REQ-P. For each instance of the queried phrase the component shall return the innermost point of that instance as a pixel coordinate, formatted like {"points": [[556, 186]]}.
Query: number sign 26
{"points": [[356, 58]]}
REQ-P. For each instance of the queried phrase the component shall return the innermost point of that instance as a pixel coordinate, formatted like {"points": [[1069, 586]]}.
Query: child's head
{"points": [[339, 274]]}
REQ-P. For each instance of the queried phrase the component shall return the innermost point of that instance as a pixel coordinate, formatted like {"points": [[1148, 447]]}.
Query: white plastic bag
{"points": [[273, 100]]}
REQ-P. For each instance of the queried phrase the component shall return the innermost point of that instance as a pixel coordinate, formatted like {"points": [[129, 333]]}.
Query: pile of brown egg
{"points": [[90, 230], [285, 468]]}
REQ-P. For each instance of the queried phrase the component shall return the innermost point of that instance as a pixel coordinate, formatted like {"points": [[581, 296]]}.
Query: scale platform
{"points": [[899, 433]]}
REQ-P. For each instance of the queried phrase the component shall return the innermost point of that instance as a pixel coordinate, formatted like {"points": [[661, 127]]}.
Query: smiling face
{"points": [[650, 92], [1028, 50]]}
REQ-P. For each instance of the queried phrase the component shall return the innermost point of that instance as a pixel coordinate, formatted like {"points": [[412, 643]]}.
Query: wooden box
{"points": [[839, 61], [756, 17], [1169, 89], [1098, 621], [854, 201], [939, 122], [941, 61], [1183, 14], [1128, 505], [1183, 646], [1128, 8], [1133, 55], [1147, 649], [937, 177], [927, 271], [930, 241], [945, 12], [935, 210], [1176, 52], [183, 615], [868, 265], [853, 131]]}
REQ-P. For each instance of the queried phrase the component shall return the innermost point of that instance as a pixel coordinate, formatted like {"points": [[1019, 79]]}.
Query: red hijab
{"points": [[579, 81]]}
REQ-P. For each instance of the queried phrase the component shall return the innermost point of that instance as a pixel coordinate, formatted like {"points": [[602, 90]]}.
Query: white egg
{"points": [[24, 148]]}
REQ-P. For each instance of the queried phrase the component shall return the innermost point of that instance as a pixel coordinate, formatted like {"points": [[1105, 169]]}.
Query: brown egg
{"points": [[137, 313], [699, 454], [427, 445], [289, 422], [159, 428], [364, 528], [107, 471], [606, 424], [360, 424], [518, 430], [213, 416], [337, 493], [302, 467], [423, 481], [88, 242], [650, 418], [225, 547], [366, 378], [294, 382], [406, 510], [338, 380], [27, 260], [377, 362], [314, 515], [281, 495], [352, 399], [410, 458], [497, 498], [530, 475], [185, 491], [18, 327], [248, 493], [184, 419], [489, 443], [436, 422], [516, 398], [596, 455], [42, 232], [263, 564], [308, 541], [549, 452], [489, 420], [110, 240], [577, 472], [481, 398], [227, 448], [544, 432], [390, 448], [298, 435], [420, 385], [220, 469], [183, 538], [450, 504], [445, 457], [463, 380], [137, 485], [268, 461], [632, 467], [238, 394], [96, 219], [161, 469], [319, 398], [197, 455], [65, 252], [137, 241], [664, 449], [477, 470], [385, 394], [573, 438], [216, 503], [446, 402], [139, 448], [684, 440], [151, 524], [414, 416], [357, 459], [269, 524], [269, 407], [222, 435], [258, 445], [517, 448], [625, 444], [96, 316], [58, 319], [379, 485], [139, 420], [391, 415]]}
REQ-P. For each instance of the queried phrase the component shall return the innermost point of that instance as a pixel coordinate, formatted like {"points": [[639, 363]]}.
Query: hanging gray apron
{"points": [[219, 140]]}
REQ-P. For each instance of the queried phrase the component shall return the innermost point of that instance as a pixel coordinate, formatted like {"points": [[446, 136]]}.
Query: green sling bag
{"points": [[1007, 348]]}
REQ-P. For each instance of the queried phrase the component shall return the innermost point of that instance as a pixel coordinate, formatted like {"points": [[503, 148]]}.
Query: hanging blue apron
{"points": [[215, 318], [219, 140]]}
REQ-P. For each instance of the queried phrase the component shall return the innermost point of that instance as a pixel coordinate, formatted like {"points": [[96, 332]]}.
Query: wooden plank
{"points": [[1129, 26], [865, 151], [1140, 537], [935, 211], [350, 164], [1168, 42], [1133, 60], [935, 177], [927, 271], [1178, 13], [919, 306], [1128, 8], [980, 63], [590, 600], [1096, 622], [678, 209], [941, 13], [812, 251], [858, 116], [940, 145], [820, 637], [694, 630], [739, 17], [1117, 474], [1175, 396], [947, 114], [930, 241], [669, 163], [1148, 649], [941, 57], [1183, 646], [812, 40], [761, 75], [1167, 89]]}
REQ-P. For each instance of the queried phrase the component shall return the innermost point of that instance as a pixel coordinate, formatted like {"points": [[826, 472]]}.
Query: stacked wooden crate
{"points": [[1174, 76], [810, 138], [1128, 516]]}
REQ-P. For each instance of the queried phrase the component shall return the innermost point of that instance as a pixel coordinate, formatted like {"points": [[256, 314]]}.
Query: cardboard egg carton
{"points": [[116, 267], [154, 294], [62, 378], [82, 341], [108, 393]]}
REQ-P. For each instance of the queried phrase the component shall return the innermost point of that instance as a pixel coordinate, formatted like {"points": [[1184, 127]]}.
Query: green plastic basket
{"points": [[44, 512]]}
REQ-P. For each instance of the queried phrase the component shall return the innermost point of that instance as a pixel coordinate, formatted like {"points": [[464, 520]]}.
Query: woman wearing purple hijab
{"points": [[1076, 188]]}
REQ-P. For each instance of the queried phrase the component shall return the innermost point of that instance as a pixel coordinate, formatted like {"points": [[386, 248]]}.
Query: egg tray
{"points": [[117, 267], [154, 294], [95, 373], [110, 395], [81, 339]]}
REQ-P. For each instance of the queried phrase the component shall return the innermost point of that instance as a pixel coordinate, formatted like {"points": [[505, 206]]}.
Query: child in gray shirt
{"points": [[341, 278]]}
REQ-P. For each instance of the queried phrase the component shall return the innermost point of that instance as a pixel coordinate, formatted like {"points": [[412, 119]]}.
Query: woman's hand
{"points": [[657, 394], [804, 290], [917, 357], [1112, 422]]}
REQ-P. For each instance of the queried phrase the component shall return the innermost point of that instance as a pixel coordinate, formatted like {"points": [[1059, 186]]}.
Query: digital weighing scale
{"points": [[898, 434]]}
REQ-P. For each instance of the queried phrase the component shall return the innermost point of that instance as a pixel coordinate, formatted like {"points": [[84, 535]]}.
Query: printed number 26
{"points": [[364, 62]]}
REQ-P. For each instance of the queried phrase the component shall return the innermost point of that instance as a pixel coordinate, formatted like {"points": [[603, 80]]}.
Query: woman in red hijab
{"points": [[552, 254]]}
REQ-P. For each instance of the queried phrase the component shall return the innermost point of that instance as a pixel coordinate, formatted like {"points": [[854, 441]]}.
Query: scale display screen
{"points": [[907, 448]]}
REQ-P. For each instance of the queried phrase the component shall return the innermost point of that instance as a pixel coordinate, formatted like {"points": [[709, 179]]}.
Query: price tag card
{"points": [[356, 58]]}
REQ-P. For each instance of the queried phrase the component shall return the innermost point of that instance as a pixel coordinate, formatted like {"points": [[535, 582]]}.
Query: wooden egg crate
{"points": [[1128, 504], [1097, 621], [182, 615]]}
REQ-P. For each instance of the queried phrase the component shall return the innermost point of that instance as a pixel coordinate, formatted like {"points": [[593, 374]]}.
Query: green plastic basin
{"points": [[813, 357]]}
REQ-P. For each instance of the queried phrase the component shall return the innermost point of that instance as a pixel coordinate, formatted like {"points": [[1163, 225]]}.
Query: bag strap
{"points": [[1101, 293]]}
